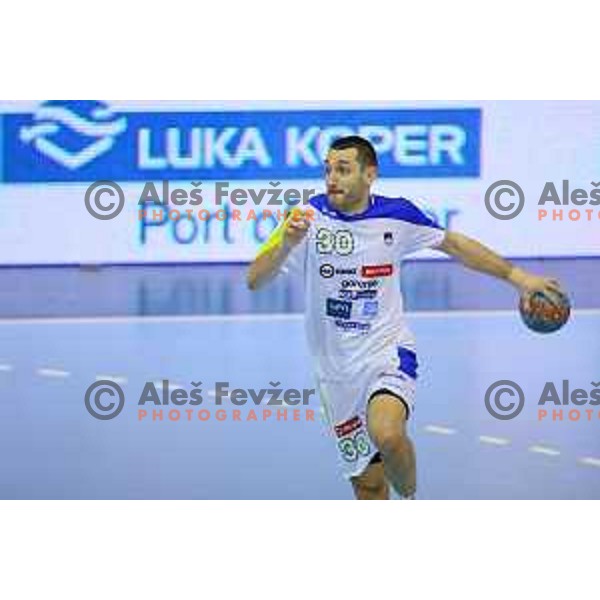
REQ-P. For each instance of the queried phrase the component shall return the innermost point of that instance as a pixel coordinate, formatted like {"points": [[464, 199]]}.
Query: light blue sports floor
{"points": [[51, 447]]}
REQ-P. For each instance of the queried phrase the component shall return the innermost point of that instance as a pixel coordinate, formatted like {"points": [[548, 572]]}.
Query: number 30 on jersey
{"points": [[335, 242]]}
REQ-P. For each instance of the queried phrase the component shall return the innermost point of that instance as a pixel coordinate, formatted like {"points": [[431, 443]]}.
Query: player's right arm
{"points": [[276, 250]]}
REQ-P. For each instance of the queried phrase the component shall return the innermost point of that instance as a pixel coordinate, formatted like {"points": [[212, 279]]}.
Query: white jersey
{"points": [[356, 329], [354, 306]]}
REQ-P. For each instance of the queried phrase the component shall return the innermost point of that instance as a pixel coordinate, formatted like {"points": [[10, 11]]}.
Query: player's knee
{"points": [[389, 439]]}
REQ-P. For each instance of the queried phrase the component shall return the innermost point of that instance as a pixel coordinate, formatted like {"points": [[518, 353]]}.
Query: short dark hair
{"points": [[366, 153]]}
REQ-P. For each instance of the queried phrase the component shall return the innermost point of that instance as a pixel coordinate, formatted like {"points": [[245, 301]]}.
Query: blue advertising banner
{"points": [[84, 141]]}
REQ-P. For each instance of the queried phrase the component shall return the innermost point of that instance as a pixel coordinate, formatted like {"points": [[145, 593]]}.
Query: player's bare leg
{"points": [[371, 484], [386, 420]]}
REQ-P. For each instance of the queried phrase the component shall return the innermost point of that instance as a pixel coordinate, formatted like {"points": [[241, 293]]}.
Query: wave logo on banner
{"points": [[85, 141], [73, 133]]}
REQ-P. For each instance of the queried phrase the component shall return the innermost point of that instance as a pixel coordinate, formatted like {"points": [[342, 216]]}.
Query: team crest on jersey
{"points": [[388, 238]]}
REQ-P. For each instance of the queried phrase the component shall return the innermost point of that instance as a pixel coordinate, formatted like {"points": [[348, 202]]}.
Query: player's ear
{"points": [[371, 174]]}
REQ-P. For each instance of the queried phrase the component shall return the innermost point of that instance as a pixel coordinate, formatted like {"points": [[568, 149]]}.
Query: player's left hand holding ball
{"points": [[529, 283], [545, 307]]}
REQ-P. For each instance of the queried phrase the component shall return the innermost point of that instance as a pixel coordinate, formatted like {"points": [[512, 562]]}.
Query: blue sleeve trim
{"points": [[399, 209]]}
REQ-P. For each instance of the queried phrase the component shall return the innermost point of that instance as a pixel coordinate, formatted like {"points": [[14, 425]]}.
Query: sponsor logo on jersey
{"points": [[348, 427], [371, 309], [350, 325], [372, 271], [388, 238], [358, 284], [339, 309], [327, 271], [358, 294]]}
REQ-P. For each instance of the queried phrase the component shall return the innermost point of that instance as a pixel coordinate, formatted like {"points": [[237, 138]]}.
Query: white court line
{"points": [[589, 461], [156, 319], [494, 441], [4, 368], [114, 378], [439, 430], [265, 317], [56, 373], [538, 449]]}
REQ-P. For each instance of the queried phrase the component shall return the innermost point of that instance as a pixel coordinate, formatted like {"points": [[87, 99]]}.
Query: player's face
{"points": [[348, 182]]}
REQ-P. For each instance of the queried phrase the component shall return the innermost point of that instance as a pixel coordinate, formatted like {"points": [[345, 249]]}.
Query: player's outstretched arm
{"points": [[276, 250], [476, 256]]}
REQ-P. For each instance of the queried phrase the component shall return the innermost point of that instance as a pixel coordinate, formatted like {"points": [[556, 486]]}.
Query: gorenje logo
{"points": [[72, 133], [85, 142]]}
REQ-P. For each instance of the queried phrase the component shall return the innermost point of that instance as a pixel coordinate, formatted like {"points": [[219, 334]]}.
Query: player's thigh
{"points": [[387, 415], [371, 484]]}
